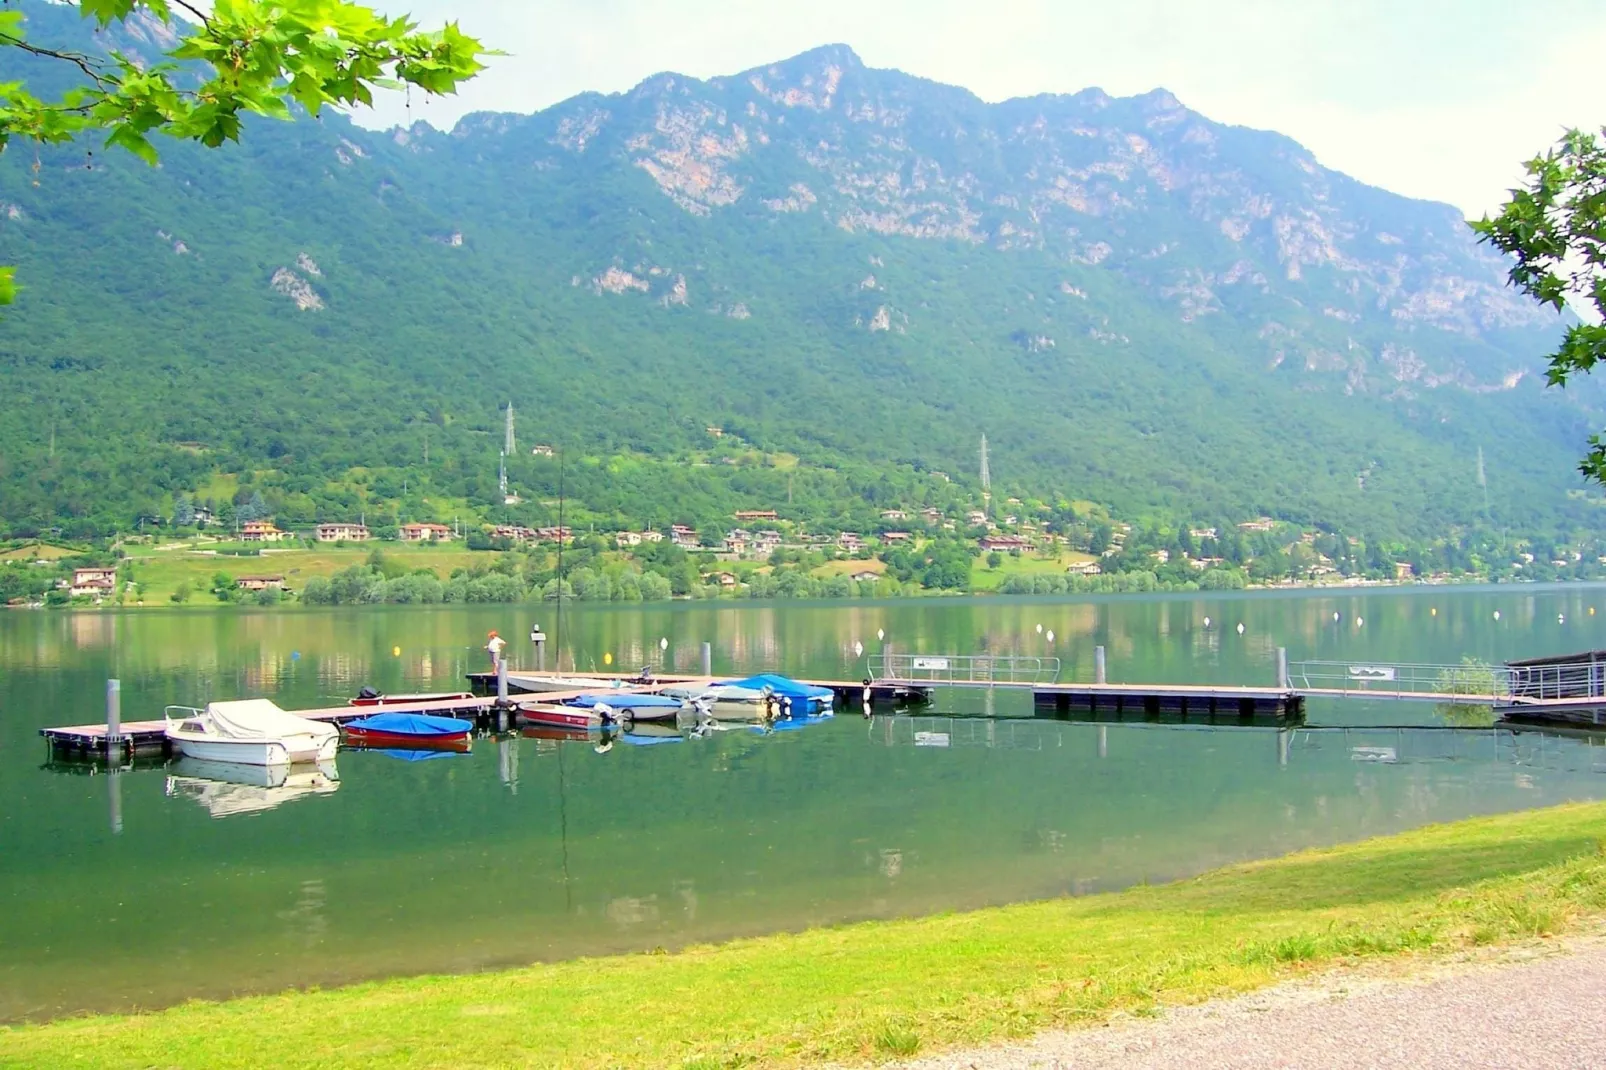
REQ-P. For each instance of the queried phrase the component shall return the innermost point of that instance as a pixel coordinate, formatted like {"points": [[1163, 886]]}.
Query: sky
{"points": [[1439, 99]]}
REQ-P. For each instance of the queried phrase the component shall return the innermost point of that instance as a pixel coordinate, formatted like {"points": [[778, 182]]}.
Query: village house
{"points": [[865, 576], [652, 536], [850, 541], [1162, 556], [554, 534], [755, 514], [261, 531], [1006, 543], [425, 533], [513, 532], [976, 518], [626, 538], [766, 542], [892, 538], [736, 541], [260, 583], [542, 451], [342, 532], [1084, 568], [894, 514], [1204, 562], [1403, 570], [1264, 523], [1202, 533], [683, 536], [932, 514], [94, 582], [724, 579], [717, 432], [204, 517]]}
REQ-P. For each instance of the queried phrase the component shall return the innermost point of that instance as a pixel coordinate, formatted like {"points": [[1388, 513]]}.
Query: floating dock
{"points": [[145, 737], [1162, 701]]}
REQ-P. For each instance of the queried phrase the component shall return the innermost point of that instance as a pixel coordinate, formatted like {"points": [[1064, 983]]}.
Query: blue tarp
{"points": [[784, 687], [625, 701], [413, 724]]}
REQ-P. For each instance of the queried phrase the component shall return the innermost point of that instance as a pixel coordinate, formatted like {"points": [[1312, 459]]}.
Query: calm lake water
{"points": [[530, 849]]}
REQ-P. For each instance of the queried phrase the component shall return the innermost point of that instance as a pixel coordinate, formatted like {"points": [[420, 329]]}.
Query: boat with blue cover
{"points": [[408, 730], [618, 706]]}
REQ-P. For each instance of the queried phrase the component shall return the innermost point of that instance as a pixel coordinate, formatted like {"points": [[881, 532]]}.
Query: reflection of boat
{"points": [[251, 732], [421, 754], [579, 734], [622, 706], [408, 730], [647, 735], [369, 697], [227, 789], [721, 693]]}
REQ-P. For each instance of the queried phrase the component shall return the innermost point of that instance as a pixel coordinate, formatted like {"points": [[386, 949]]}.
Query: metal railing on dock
{"points": [[963, 670], [1396, 680]]}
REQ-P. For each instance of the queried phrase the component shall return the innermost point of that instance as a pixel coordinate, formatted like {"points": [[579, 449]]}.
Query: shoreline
{"points": [[879, 991]]}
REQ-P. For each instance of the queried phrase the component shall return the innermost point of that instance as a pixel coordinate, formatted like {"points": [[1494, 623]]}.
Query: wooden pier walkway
{"points": [[144, 736]]}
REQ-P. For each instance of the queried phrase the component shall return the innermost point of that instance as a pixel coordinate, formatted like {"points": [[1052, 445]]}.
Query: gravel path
{"points": [[1546, 1012]]}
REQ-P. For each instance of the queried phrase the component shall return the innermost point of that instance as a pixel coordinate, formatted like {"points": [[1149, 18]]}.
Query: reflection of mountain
{"points": [[228, 789]]}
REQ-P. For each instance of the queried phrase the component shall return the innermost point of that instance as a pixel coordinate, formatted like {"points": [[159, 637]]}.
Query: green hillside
{"points": [[853, 273]]}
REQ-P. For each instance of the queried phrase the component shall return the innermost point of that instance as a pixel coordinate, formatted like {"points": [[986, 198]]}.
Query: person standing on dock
{"points": [[493, 646]]}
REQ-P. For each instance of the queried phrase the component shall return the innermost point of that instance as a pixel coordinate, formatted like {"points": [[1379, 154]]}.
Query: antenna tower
{"points": [[507, 434], [986, 477], [502, 475]]}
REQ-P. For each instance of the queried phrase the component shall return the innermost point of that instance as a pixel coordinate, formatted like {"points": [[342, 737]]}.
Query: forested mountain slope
{"points": [[854, 268]]}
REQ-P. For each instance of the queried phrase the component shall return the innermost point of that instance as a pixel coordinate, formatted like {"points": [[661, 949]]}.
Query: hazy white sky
{"points": [[1433, 98]]}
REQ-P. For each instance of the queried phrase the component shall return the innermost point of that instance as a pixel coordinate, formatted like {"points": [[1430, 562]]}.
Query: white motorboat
{"points": [[715, 693], [250, 732], [226, 789], [535, 682]]}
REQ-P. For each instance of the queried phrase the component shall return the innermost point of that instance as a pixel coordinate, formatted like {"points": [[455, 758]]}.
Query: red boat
{"points": [[554, 716], [397, 700], [408, 730]]}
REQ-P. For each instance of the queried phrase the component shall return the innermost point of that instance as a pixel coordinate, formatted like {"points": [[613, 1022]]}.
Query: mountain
{"points": [[854, 273]]}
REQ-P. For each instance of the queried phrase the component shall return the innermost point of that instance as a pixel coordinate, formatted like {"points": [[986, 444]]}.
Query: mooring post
{"points": [[1098, 665], [1282, 667], [708, 659], [1104, 741], [538, 637], [1282, 748], [114, 789], [501, 683], [114, 719]]}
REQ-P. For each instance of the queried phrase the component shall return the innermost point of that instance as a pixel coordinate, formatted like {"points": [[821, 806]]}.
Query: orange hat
{"points": [[490, 635]]}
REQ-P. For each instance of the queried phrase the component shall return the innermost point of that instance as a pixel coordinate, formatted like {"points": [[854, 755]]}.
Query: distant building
{"points": [[975, 518], [766, 542], [652, 536], [554, 534], [724, 579], [260, 583], [261, 531], [1202, 533], [717, 432], [755, 514], [850, 541], [1084, 568], [543, 451], [683, 536], [895, 536], [865, 576], [1403, 570], [736, 542], [425, 533], [513, 532], [204, 518], [1006, 543], [94, 582], [894, 514], [933, 515], [342, 532], [1264, 523], [626, 538]]}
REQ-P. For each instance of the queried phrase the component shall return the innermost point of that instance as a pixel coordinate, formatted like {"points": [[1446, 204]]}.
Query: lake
{"points": [[152, 885]]}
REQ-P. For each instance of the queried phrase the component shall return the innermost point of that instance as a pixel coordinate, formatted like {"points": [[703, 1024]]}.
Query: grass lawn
{"points": [[874, 991], [983, 578], [159, 571], [849, 567], [36, 552]]}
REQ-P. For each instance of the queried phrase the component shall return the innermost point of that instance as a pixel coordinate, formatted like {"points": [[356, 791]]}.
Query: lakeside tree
{"points": [[240, 57], [1555, 227]]}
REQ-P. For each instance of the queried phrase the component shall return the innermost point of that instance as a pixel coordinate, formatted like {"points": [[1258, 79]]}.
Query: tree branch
{"points": [[77, 59]]}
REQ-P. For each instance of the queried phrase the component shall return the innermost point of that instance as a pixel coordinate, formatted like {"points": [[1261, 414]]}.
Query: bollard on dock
{"points": [[114, 719], [708, 659], [1098, 665]]}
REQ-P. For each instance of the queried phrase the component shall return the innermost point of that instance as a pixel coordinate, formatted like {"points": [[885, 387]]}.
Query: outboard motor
{"points": [[368, 692]]}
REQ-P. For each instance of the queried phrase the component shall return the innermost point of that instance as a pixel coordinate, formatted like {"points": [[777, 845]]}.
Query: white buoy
{"points": [[1561, 618], [1497, 614], [1207, 622], [663, 644], [1335, 616], [1434, 611], [1240, 627], [881, 633], [858, 649], [1039, 629], [1051, 635], [1360, 622]]}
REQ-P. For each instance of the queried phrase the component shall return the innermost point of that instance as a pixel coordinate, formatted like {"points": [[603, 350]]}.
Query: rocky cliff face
{"points": [[1349, 283]]}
